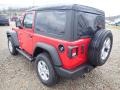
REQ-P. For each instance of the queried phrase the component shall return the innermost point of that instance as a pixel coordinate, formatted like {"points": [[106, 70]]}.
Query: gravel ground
{"points": [[16, 73]]}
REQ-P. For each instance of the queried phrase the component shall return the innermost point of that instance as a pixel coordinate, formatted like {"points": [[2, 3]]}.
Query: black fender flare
{"points": [[52, 52], [14, 36]]}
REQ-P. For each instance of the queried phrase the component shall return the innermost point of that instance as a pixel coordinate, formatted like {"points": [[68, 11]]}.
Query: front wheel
{"points": [[45, 70], [11, 46]]}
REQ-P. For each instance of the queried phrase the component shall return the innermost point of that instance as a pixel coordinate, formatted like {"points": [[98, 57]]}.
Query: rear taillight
{"points": [[72, 51]]}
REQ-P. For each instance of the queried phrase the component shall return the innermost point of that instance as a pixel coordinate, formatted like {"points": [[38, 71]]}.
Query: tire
{"points": [[11, 46], [100, 47], [51, 77]]}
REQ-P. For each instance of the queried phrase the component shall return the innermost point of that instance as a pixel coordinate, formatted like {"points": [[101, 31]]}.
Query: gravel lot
{"points": [[16, 73]]}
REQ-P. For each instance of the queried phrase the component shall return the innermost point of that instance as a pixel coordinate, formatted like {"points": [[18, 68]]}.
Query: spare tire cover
{"points": [[100, 47]]}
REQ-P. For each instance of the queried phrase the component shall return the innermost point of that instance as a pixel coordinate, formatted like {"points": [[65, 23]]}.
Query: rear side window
{"points": [[52, 22]]}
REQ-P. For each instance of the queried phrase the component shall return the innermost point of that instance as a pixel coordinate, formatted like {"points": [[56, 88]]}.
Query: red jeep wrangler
{"points": [[65, 41]]}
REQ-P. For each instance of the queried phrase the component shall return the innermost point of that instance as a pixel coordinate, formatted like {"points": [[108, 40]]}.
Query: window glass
{"points": [[50, 21], [28, 20]]}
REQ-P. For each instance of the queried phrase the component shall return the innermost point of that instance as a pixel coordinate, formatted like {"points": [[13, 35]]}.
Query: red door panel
{"points": [[26, 40]]}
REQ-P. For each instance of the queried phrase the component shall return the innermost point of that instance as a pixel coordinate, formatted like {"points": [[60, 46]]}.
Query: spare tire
{"points": [[100, 47]]}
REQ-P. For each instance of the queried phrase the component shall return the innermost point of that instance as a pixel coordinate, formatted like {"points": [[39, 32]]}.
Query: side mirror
{"points": [[18, 24]]}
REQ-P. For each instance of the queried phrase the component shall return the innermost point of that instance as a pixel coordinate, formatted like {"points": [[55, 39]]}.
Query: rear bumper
{"points": [[75, 72], [4, 22]]}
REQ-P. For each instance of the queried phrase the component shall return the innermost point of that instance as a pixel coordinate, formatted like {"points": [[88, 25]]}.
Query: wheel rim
{"points": [[10, 46], [106, 48], [43, 70]]}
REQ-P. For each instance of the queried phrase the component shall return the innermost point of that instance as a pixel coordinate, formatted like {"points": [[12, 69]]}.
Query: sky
{"points": [[111, 7]]}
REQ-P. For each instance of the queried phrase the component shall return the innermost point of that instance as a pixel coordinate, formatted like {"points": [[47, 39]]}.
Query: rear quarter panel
{"points": [[68, 63]]}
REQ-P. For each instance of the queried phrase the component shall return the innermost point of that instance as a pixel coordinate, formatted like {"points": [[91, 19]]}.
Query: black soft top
{"points": [[70, 7]]}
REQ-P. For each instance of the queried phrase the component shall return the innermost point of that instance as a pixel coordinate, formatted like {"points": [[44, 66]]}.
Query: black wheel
{"points": [[45, 70], [100, 47], [11, 46]]}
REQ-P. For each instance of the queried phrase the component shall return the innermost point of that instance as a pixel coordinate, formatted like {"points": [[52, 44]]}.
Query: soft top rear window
{"points": [[50, 21]]}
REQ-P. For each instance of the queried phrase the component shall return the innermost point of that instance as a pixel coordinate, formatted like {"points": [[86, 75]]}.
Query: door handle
{"points": [[30, 36], [20, 33]]}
